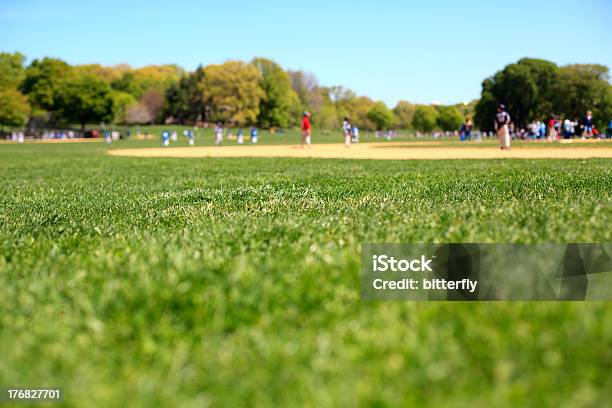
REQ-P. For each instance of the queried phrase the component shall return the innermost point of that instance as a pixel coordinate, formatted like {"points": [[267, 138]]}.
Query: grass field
{"points": [[235, 282]]}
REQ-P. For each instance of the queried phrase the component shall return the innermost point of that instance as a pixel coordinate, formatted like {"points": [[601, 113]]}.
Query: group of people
{"points": [[553, 130], [350, 132], [556, 128], [503, 125], [168, 136], [219, 132]]}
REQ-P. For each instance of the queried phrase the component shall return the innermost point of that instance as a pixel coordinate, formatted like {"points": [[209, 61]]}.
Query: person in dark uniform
{"points": [[502, 120]]}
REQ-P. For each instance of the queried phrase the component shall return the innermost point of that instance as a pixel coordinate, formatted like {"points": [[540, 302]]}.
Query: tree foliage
{"points": [[280, 105], [263, 93], [83, 99], [534, 89], [121, 101], [424, 119], [12, 71], [581, 88], [43, 82], [232, 90], [404, 111], [14, 107], [449, 118], [381, 116], [185, 99]]}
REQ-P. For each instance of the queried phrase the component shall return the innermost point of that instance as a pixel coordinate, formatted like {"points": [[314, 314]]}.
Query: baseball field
{"points": [[132, 275]]}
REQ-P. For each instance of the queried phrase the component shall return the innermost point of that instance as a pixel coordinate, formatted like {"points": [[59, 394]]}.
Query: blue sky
{"points": [[436, 50]]}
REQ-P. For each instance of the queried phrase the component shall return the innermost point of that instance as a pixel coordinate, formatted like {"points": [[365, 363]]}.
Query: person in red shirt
{"points": [[306, 130]]}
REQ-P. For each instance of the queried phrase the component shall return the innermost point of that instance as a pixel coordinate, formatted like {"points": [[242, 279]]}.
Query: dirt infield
{"points": [[374, 151]]}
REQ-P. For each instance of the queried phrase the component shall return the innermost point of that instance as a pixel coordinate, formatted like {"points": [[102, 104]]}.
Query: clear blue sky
{"points": [[424, 51]]}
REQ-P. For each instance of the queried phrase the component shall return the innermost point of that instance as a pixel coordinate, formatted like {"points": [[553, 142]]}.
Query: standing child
{"points": [[254, 135], [165, 138], [347, 131], [219, 134], [239, 136], [355, 134], [306, 130], [191, 140]]}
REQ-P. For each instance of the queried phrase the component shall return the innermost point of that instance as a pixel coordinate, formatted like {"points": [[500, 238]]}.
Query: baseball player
{"points": [[306, 130], [502, 120], [347, 130], [219, 134]]}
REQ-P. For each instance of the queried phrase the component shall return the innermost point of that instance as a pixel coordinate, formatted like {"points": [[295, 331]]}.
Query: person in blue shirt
{"points": [[466, 130], [588, 124], [254, 135], [165, 138]]}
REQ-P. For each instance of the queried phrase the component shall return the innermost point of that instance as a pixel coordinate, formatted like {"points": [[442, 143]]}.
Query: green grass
{"points": [[233, 282]]}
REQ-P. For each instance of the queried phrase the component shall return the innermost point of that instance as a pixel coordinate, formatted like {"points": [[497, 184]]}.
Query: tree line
{"points": [[536, 89], [260, 92]]}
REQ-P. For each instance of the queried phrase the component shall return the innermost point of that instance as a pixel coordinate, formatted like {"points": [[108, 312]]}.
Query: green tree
{"points": [[486, 107], [581, 88], [121, 101], [404, 111], [449, 118], [526, 88], [381, 116], [12, 72], [327, 116], [156, 78], [342, 99], [185, 99], [233, 92], [281, 104], [14, 108], [83, 99], [359, 109], [43, 80], [424, 119]]}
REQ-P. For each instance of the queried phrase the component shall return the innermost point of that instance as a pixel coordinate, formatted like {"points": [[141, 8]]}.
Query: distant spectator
{"points": [[552, 129], [587, 123], [567, 129], [466, 130]]}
